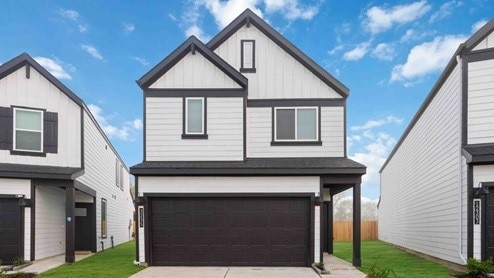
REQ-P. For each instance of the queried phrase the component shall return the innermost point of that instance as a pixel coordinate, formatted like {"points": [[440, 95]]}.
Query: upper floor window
{"points": [[117, 172], [121, 177], [247, 56], [104, 223], [194, 118], [296, 124], [28, 130]]}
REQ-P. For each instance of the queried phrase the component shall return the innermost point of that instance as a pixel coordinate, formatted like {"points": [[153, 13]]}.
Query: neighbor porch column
{"points": [[69, 223], [356, 225], [330, 237]]}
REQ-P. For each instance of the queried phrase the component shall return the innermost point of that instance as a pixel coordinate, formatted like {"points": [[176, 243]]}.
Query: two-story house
{"points": [[63, 186], [242, 137], [435, 184]]}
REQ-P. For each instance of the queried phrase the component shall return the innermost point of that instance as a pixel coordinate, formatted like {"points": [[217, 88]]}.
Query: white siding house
{"points": [[56, 166], [430, 201], [242, 136]]}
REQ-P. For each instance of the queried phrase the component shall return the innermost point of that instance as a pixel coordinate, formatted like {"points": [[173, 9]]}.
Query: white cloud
{"points": [[128, 27], [83, 28], [427, 57], [172, 17], [384, 51], [126, 131], [70, 14], [195, 30], [371, 124], [445, 10], [91, 50], [291, 9], [225, 12], [409, 35], [380, 19], [55, 67], [336, 49], [357, 53], [477, 25], [141, 60]]}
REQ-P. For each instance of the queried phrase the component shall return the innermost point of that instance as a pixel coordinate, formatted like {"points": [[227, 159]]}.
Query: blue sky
{"points": [[389, 53]]}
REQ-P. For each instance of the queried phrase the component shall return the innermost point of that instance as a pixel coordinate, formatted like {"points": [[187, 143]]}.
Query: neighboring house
{"points": [[241, 138], [63, 187], [431, 200]]}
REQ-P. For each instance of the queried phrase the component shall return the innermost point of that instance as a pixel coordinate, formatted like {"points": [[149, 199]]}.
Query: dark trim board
{"points": [[296, 143], [195, 93], [136, 206], [288, 102], [33, 219], [242, 68], [243, 172], [469, 211]]}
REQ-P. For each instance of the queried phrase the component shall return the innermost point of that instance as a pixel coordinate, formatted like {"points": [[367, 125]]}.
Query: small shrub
{"points": [[320, 265], [18, 261], [478, 269], [377, 272]]}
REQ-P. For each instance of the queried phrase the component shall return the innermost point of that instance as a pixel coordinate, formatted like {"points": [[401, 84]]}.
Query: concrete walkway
{"points": [[340, 268], [46, 264], [227, 272]]}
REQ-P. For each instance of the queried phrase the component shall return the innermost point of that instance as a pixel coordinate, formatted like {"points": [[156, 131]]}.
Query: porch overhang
{"points": [[9, 170], [479, 154]]}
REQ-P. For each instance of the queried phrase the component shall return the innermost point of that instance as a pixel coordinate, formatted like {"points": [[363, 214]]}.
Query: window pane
{"points": [[248, 51], [306, 124], [285, 124], [28, 120], [194, 115], [103, 218], [28, 140]]}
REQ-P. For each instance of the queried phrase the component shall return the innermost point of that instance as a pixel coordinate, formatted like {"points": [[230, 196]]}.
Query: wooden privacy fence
{"points": [[343, 230]]}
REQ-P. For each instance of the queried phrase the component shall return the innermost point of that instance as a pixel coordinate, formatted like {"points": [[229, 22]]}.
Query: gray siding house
{"points": [[63, 187], [244, 145], [435, 183]]}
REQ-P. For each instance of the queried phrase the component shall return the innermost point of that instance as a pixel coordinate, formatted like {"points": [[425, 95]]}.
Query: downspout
{"points": [[460, 166]]}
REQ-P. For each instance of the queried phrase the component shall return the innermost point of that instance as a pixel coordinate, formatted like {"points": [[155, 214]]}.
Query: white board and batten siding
{"points": [[487, 42], [38, 92], [20, 187], [194, 71], [420, 185], [164, 131], [49, 222], [295, 184], [100, 175], [259, 126], [481, 173], [278, 74], [481, 102]]}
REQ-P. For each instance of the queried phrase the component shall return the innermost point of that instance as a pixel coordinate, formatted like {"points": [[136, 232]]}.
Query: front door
{"points": [[489, 225], [84, 234], [10, 230]]}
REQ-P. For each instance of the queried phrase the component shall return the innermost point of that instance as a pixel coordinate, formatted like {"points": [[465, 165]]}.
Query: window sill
{"points": [[247, 70], [296, 143], [27, 153], [194, 136]]}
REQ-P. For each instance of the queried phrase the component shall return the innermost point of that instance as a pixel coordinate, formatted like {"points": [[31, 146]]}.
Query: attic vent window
{"points": [[247, 56]]}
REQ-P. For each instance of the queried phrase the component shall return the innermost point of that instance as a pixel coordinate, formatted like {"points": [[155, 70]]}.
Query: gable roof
{"points": [[462, 49], [249, 17], [192, 44], [24, 59]]}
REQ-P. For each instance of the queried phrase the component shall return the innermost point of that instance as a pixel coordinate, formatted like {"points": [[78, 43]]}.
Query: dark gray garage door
{"points": [[230, 231], [10, 229]]}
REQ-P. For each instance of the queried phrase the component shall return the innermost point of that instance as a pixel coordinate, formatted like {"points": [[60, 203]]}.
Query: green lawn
{"points": [[115, 262], [385, 256]]}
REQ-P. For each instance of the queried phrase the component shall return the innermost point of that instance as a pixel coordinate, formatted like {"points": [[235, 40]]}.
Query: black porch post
{"points": [[69, 223], [356, 225], [330, 239]]}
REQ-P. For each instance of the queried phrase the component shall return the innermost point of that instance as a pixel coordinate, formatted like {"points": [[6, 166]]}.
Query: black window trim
{"points": [[185, 134], [103, 200], [253, 68], [15, 151], [277, 142]]}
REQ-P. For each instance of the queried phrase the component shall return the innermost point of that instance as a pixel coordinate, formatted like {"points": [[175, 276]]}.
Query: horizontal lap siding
{"points": [[194, 71], [49, 222], [278, 74], [481, 102], [38, 92], [259, 126], [164, 131], [419, 206], [100, 175]]}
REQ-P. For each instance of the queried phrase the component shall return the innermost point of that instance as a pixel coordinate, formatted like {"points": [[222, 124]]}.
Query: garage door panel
{"points": [[243, 231]]}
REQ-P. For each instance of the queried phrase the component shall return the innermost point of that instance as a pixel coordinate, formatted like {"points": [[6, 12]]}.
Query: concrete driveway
{"points": [[227, 272]]}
